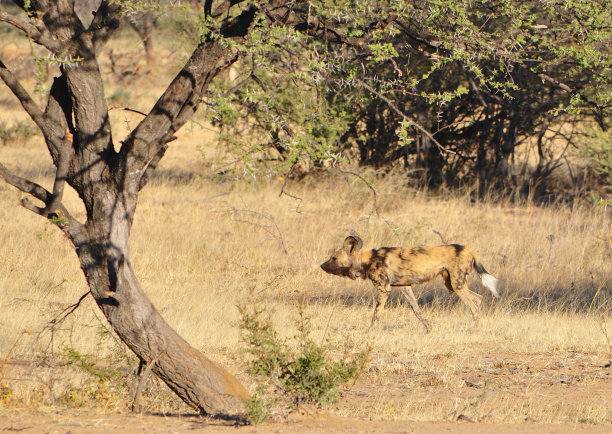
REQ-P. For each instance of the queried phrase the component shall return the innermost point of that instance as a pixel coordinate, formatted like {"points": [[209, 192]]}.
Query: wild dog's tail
{"points": [[488, 281]]}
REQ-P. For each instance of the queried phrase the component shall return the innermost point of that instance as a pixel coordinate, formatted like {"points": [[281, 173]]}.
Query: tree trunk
{"points": [[198, 381], [110, 192]]}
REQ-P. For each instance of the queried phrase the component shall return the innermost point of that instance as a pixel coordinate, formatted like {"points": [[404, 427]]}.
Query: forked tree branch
{"points": [[146, 140], [143, 148], [105, 22], [38, 34], [59, 147], [53, 207]]}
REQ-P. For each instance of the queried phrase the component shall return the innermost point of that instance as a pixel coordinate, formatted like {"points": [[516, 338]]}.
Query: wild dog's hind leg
{"points": [[457, 283], [476, 298], [468, 298], [407, 291]]}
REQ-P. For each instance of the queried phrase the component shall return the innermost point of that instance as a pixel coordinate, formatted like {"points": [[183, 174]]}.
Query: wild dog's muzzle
{"points": [[351, 271], [332, 268]]}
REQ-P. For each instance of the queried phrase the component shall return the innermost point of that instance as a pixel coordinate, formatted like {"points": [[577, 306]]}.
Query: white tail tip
{"points": [[490, 282]]}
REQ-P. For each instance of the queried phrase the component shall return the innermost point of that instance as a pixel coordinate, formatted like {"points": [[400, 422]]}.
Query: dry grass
{"points": [[202, 245]]}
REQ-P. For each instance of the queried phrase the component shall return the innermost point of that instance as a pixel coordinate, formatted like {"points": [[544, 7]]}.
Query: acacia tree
{"points": [[486, 76], [450, 89]]}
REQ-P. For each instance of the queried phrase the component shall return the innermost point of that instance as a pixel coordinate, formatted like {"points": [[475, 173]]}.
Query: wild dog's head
{"points": [[346, 261]]}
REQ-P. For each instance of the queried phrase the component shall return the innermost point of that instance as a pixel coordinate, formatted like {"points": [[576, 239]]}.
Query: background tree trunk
{"points": [[142, 23]]}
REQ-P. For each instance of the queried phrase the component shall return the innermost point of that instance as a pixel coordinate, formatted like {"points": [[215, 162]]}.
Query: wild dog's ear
{"points": [[352, 244]]}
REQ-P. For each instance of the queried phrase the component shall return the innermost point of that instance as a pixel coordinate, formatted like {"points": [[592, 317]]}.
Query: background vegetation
{"points": [[534, 129], [489, 94]]}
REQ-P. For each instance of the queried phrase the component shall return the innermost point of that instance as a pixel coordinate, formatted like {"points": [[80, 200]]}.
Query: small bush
{"points": [[101, 386], [86, 363], [302, 376], [257, 408]]}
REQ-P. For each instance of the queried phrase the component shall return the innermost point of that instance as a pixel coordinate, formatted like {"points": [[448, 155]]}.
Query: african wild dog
{"points": [[402, 266]]}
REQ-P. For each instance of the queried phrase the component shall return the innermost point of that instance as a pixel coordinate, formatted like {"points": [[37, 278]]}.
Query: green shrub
{"points": [[100, 386], [305, 375], [86, 363]]}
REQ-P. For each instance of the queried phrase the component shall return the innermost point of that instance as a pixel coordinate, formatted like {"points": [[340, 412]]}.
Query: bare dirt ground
{"points": [[89, 422], [562, 387]]}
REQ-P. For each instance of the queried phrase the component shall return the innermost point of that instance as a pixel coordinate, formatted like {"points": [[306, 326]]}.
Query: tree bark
{"points": [[201, 383]]}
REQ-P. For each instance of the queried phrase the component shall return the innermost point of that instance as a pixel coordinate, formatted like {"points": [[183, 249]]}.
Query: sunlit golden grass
{"points": [[203, 244]]}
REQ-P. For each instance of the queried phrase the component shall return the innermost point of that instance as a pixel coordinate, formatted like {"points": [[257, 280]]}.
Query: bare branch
{"points": [[53, 208], [375, 200], [284, 191], [271, 229], [441, 236], [38, 34], [25, 185], [105, 22], [556, 82], [22, 25], [65, 313], [27, 204]]}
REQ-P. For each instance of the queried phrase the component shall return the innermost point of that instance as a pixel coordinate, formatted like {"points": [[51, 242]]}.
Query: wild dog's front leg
{"points": [[382, 290], [414, 304]]}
